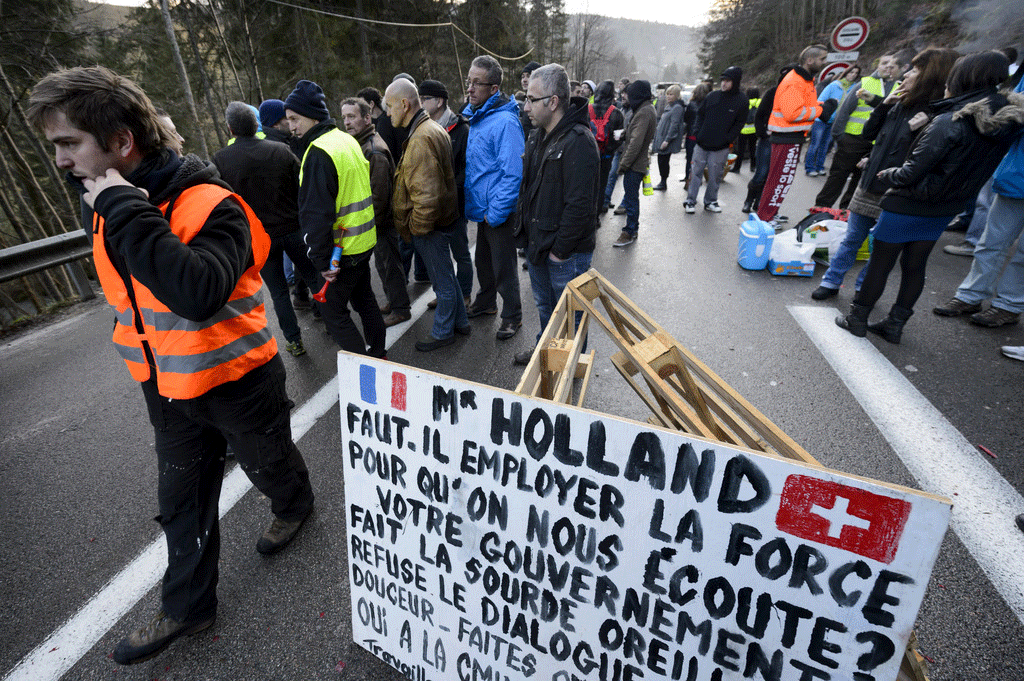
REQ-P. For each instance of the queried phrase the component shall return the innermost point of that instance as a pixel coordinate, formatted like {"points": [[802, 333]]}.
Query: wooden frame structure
{"points": [[680, 390]]}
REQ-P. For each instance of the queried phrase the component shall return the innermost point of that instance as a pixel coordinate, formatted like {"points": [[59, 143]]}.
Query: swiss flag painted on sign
{"points": [[842, 516]]}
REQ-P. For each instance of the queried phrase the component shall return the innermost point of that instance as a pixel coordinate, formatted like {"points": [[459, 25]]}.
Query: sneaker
{"points": [[621, 210], [523, 358], [300, 303], [777, 225], [995, 316], [151, 640], [279, 535], [963, 248], [713, 207], [1014, 352], [824, 293], [782, 219], [625, 239], [476, 311], [507, 329], [432, 304], [434, 343], [689, 207], [295, 348], [956, 308]]}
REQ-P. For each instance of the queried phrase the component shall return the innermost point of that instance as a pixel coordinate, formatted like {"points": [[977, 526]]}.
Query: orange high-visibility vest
{"points": [[796, 105], [190, 357]]}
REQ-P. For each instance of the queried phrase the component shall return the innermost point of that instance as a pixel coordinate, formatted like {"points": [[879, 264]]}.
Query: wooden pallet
{"points": [[680, 390]]}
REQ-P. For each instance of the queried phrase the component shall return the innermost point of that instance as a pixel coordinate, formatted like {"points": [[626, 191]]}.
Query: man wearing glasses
{"points": [[494, 170]]}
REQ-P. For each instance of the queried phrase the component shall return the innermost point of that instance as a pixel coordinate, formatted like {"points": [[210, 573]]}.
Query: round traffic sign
{"points": [[835, 67], [850, 33]]}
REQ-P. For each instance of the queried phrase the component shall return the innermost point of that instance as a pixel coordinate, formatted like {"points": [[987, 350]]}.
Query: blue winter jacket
{"points": [[494, 159], [836, 91], [1008, 180]]}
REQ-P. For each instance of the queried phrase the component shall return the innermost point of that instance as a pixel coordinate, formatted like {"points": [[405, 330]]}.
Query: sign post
{"points": [[493, 535], [850, 33]]}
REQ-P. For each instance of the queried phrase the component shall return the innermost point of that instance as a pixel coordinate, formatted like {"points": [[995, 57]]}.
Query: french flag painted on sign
{"points": [[842, 516], [387, 381]]}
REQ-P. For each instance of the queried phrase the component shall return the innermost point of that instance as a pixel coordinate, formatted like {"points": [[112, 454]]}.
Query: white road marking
{"points": [[936, 454], [71, 641]]}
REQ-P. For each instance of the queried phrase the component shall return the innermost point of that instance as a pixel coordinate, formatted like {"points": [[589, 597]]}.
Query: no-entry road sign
{"points": [[850, 33]]}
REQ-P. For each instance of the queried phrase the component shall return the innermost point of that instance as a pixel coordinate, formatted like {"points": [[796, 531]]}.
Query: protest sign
{"points": [[493, 536]]}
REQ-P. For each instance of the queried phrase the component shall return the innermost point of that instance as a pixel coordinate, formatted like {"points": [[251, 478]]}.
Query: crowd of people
{"points": [[183, 245]]}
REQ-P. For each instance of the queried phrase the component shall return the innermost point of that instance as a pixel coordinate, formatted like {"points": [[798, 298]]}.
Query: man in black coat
{"points": [[266, 175], [721, 116], [557, 205]]}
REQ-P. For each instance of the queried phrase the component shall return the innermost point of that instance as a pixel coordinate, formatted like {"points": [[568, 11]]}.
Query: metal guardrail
{"points": [[63, 249]]}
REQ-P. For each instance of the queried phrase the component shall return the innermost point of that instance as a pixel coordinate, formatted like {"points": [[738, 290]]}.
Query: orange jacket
{"points": [[796, 104], [189, 357]]}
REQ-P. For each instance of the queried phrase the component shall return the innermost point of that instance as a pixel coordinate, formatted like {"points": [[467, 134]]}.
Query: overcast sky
{"points": [[685, 12]]}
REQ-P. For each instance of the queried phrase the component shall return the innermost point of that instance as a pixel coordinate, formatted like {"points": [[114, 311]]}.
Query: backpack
{"points": [[599, 126]]}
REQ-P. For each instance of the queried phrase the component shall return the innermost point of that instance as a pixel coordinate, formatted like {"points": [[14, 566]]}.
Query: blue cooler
{"points": [[756, 237]]}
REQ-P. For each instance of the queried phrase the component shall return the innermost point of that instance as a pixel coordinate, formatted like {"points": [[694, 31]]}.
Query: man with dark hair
{"points": [[719, 120], [426, 207], [336, 216], [524, 79], [434, 100], [178, 257], [355, 114], [558, 201], [266, 175], [794, 109], [635, 160], [494, 170]]}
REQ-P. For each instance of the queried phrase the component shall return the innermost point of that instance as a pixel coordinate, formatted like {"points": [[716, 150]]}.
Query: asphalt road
{"points": [[78, 478]]}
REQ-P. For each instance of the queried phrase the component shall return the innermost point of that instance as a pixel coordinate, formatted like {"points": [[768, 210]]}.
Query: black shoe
{"points": [[1020, 522], [891, 328], [522, 358], [507, 329], [464, 330], [151, 640], [474, 311], [824, 293], [660, 187], [857, 321], [434, 343], [300, 303], [747, 208], [279, 534]]}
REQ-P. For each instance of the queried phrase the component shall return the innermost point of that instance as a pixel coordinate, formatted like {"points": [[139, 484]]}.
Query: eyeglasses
{"points": [[534, 100], [473, 84]]}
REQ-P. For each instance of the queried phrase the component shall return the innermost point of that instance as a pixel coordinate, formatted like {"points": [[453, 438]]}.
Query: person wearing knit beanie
{"points": [[527, 72], [307, 99], [593, 88], [271, 112], [432, 88]]}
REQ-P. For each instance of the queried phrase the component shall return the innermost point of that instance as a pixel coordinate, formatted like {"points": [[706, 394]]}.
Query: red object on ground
{"points": [[987, 451], [321, 296]]}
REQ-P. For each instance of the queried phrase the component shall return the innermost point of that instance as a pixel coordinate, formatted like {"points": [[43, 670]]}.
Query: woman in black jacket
{"points": [[893, 126], [605, 118], [949, 162]]}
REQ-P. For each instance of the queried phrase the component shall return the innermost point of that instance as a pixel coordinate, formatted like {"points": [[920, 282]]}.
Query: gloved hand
{"points": [[828, 107]]}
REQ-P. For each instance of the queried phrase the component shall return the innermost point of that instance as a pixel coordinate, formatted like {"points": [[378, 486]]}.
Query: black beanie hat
{"points": [[432, 88], [531, 67], [638, 91], [307, 99], [735, 74]]}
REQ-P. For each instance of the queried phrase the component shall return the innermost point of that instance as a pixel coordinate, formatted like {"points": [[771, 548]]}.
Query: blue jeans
{"points": [[435, 250], [549, 280], [613, 177], [1004, 226], [818, 148], [842, 260], [979, 214], [631, 180]]}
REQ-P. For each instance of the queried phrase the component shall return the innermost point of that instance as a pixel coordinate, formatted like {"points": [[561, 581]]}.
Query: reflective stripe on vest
{"points": [[190, 357], [860, 115], [749, 128], [354, 227]]}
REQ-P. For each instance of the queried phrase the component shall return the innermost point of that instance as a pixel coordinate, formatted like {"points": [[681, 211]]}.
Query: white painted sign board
{"points": [[494, 536], [841, 56]]}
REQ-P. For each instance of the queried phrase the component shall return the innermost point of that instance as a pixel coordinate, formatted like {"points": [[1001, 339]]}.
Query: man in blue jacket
{"points": [[494, 170], [1004, 227]]}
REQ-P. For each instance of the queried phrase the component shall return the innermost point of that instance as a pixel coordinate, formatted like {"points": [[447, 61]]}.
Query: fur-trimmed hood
{"points": [[996, 116]]}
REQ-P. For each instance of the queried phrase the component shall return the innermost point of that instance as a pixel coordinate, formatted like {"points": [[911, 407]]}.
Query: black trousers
{"points": [[387, 257], [746, 144], [849, 150], [352, 285], [252, 415]]}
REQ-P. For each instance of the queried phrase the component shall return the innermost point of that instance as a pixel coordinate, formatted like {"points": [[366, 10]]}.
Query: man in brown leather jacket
{"points": [[425, 206]]}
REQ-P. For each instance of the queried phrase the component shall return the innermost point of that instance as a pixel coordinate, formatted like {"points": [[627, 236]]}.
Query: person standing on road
{"points": [[266, 175], [1003, 227], [821, 137], [426, 207], [689, 121], [668, 137], [847, 129], [720, 118], [763, 148], [606, 119], [748, 133], [494, 171], [561, 182], [178, 257], [950, 160], [336, 215], [635, 160], [387, 258], [794, 111]]}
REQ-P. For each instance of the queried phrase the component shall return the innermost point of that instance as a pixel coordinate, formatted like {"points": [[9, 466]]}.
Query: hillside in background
{"points": [[660, 51]]}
